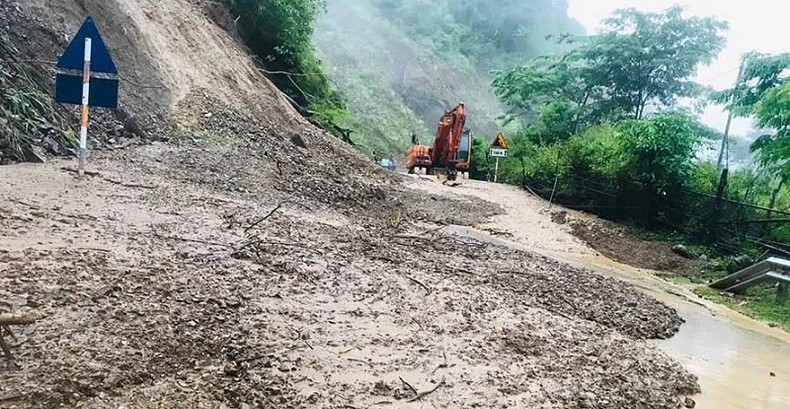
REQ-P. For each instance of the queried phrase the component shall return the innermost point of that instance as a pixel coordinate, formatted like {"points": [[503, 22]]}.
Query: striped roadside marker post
{"points": [[86, 91]]}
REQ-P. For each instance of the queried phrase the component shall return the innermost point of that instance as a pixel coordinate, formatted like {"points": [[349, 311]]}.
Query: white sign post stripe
{"points": [[86, 88]]}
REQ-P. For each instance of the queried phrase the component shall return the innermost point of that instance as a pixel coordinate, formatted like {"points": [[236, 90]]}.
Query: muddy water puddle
{"points": [[741, 363], [734, 364]]}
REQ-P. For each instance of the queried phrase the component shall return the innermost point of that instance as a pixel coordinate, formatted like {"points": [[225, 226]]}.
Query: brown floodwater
{"points": [[734, 363]]}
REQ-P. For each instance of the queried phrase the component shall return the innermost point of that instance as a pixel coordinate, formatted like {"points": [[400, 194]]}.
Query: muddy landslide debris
{"points": [[329, 307]]}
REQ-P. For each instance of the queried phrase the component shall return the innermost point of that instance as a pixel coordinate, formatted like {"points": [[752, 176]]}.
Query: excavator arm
{"points": [[449, 141], [451, 150]]}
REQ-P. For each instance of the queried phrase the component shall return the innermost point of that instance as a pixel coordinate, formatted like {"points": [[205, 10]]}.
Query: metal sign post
{"points": [[87, 77], [496, 170], [86, 90], [498, 150], [497, 153]]}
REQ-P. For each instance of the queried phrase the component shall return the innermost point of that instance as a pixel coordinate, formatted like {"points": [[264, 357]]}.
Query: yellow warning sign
{"points": [[500, 142]]}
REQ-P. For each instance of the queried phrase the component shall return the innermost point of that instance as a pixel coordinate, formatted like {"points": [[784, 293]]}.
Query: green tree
{"points": [[280, 33], [661, 149], [479, 168], [640, 60], [773, 112], [764, 93]]}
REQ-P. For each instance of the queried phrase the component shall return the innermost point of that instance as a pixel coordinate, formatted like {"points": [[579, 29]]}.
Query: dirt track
{"points": [[154, 295]]}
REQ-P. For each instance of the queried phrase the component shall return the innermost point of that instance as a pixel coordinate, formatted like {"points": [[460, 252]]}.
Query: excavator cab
{"points": [[452, 147], [463, 157]]}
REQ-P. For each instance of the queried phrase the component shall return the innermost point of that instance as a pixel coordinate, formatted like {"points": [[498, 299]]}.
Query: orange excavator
{"points": [[452, 147]]}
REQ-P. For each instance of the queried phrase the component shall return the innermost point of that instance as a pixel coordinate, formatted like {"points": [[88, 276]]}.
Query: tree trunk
{"points": [[774, 194]]}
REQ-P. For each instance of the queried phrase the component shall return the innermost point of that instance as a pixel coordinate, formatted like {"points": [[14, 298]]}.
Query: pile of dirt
{"points": [[164, 284], [628, 247]]}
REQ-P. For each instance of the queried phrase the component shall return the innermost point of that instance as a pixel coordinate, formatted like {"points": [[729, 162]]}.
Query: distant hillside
{"points": [[402, 63]]}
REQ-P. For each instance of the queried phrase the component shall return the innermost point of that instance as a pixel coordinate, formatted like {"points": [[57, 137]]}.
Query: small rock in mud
{"points": [[560, 217], [382, 389], [689, 403], [298, 141], [683, 251]]}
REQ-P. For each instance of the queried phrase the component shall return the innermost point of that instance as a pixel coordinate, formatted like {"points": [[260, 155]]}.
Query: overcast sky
{"points": [[754, 25]]}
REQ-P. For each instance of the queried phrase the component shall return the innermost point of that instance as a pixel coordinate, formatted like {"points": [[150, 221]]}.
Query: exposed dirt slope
{"points": [[164, 51]]}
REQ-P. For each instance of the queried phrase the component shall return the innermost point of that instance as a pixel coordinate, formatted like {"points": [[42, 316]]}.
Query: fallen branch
{"points": [[418, 323], [3, 345], [13, 319], [113, 181], [410, 236], [408, 385], [418, 282], [130, 185], [261, 220], [87, 172], [18, 319], [423, 394], [17, 201], [212, 243], [360, 361]]}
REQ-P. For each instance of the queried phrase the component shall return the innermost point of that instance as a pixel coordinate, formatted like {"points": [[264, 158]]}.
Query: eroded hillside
{"points": [[402, 64], [236, 256]]}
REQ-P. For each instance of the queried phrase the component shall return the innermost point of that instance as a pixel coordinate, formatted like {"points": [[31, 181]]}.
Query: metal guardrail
{"points": [[771, 270]]}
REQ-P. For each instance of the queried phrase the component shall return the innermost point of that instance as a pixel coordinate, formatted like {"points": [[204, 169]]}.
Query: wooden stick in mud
{"points": [[268, 215], [17, 319], [408, 385], [420, 283], [13, 319], [3, 345], [420, 395]]}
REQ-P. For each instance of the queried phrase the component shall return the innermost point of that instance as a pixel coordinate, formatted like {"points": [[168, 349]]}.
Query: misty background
{"points": [[401, 63]]}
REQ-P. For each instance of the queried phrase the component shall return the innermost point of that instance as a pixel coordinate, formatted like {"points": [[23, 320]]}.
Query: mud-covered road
{"points": [[734, 356], [186, 277]]}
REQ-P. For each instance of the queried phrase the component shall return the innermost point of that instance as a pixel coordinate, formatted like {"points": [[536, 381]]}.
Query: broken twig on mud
{"points": [[17, 319], [362, 361], [418, 323], [408, 385], [420, 395], [107, 179], [420, 283], [130, 185], [212, 243], [13, 319], [262, 219]]}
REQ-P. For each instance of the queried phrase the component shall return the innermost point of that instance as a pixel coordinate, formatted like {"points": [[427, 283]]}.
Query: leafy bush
{"points": [[280, 33]]}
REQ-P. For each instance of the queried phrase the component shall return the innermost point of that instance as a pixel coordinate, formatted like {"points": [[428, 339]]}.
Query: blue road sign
{"points": [[101, 61], [103, 91], [68, 86]]}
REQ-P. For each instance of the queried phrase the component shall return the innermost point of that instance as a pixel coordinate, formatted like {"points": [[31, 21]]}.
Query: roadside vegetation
{"points": [[402, 63], [27, 119], [607, 127], [279, 32]]}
